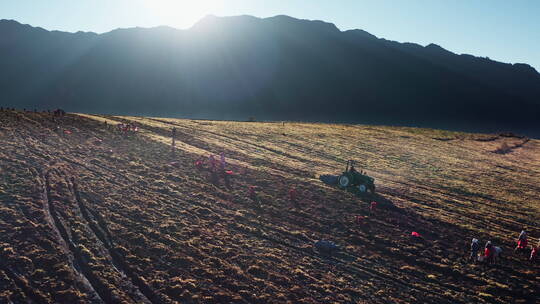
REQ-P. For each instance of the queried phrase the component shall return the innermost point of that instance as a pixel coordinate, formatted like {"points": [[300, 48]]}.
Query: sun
{"points": [[182, 13]]}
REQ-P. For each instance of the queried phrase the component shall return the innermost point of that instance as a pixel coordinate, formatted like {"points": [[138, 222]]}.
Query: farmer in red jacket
{"points": [[534, 252], [522, 241], [488, 253]]}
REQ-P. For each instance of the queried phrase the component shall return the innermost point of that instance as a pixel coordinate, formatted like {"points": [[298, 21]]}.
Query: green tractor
{"points": [[351, 178]]}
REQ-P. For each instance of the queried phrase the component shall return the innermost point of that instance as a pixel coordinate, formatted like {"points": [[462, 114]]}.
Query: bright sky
{"points": [[502, 30]]}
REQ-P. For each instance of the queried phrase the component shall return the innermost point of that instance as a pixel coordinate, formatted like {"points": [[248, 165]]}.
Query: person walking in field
{"points": [[488, 253], [534, 252], [497, 254], [522, 235], [173, 144], [222, 161], [212, 163], [475, 247], [522, 241]]}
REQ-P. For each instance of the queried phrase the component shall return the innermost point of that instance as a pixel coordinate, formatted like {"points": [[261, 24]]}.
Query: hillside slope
{"points": [[89, 215], [277, 68]]}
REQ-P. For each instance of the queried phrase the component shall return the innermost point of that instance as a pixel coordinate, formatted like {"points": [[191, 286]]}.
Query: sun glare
{"points": [[182, 13]]}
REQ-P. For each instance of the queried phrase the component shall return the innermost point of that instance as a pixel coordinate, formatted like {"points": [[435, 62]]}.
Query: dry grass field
{"points": [[91, 215]]}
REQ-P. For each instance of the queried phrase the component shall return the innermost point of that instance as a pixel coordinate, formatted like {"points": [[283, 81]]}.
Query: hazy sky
{"points": [[502, 30]]}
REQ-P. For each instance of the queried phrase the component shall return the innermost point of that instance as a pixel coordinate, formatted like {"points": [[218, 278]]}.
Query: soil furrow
{"points": [[76, 261], [144, 289], [24, 286]]}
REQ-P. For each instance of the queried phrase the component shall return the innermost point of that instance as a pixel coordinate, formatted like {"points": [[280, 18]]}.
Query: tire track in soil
{"points": [[161, 241], [103, 234], [145, 293], [67, 245], [102, 224], [23, 286]]}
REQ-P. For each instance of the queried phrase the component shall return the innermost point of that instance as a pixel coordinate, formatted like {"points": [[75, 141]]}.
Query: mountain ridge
{"points": [[432, 44], [276, 68]]}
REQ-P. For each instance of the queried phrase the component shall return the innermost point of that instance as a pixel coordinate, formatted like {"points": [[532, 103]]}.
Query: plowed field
{"points": [[89, 214]]}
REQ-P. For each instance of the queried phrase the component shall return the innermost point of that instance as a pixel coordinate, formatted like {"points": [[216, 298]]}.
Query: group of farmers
{"points": [[127, 127], [493, 253]]}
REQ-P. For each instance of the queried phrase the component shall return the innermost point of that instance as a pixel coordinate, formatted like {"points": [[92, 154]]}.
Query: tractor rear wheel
{"points": [[362, 188], [344, 181]]}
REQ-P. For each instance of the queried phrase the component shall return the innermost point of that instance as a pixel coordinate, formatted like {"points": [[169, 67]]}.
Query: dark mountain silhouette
{"points": [[277, 68]]}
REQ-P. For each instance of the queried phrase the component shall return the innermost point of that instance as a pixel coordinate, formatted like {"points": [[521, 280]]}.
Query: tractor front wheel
{"points": [[344, 181]]}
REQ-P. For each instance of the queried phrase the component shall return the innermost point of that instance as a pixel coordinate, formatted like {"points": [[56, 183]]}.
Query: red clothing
{"points": [[488, 252], [534, 253], [522, 244], [292, 194]]}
